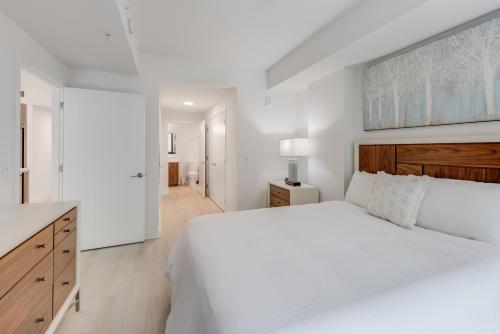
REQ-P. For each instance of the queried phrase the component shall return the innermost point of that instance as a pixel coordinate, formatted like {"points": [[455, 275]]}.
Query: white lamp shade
{"points": [[295, 147]]}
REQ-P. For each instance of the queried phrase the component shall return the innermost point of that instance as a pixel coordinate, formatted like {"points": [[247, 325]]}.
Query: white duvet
{"points": [[328, 268]]}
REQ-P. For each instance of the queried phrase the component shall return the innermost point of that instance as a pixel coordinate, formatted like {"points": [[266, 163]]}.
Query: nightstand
{"points": [[281, 194]]}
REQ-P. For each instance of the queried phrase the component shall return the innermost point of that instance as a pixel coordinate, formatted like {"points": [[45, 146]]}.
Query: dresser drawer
{"points": [[64, 220], [64, 284], [276, 202], [27, 308], [16, 264], [280, 192], [64, 253], [64, 232]]}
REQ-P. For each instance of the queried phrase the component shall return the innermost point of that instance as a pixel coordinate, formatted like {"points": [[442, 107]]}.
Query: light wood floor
{"points": [[124, 289]]}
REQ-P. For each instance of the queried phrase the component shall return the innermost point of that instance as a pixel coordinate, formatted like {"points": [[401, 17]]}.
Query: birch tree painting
{"points": [[452, 80]]}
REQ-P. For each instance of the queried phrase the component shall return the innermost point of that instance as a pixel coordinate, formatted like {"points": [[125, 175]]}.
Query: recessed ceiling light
{"points": [[189, 103]]}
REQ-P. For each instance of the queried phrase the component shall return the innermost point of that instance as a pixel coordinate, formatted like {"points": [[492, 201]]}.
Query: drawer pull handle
{"points": [[40, 279], [40, 320], [67, 219], [66, 251], [65, 283], [67, 230], [40, 246]]}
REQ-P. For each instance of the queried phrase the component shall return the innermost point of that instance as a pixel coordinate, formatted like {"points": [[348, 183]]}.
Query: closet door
{"points": [[104, 163], [217, 159], [202, 165]]}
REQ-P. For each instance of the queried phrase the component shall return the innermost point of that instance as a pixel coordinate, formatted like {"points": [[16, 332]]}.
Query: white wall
{"points": [[40, 154], [182, 116], [327, 127], [186, 140], [259, 133], [17, 50]]}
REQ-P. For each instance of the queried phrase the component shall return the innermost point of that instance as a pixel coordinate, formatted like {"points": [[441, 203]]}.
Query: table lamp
{"points": [[293, 148]]}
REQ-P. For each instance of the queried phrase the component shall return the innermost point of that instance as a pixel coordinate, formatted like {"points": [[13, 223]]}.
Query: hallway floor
{"points": [[124, 289]]}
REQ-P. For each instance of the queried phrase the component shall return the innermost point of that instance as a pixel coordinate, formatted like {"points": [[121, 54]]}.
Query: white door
{"points": [[217, 159], [201, 159], [104, 163]]}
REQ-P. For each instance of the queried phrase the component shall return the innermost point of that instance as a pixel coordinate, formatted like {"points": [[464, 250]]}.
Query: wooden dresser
{"points": [[173, 174], [281, 194], [38, 266]]}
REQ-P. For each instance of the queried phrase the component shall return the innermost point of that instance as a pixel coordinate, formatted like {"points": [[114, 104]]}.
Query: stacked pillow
{"points": [[398, 198], [360, 188], [391, 197], [462, 208]]}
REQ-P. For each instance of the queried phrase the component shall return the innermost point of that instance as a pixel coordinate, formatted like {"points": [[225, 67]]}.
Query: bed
{"points": [[333, 268]]}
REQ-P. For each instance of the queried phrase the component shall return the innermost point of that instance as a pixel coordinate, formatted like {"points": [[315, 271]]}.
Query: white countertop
{"points": [[18, 223]]}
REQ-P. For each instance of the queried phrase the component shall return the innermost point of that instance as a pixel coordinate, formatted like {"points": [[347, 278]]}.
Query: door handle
{"points": [[139, 175]]}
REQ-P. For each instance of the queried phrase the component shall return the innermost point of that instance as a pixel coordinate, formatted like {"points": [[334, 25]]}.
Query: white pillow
{"points": [[360, 188], [463, 208], [398, 198]]}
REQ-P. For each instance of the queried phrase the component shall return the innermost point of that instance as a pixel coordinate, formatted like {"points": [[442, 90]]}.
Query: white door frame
{"points": [[57, 132]]}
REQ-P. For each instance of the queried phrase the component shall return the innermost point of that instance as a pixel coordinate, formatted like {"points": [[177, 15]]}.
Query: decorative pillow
{"points": [[360, 188], [463, 208], [398, 198]]}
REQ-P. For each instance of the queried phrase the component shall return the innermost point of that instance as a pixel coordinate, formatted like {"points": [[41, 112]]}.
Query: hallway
{"points": [[178, 207], [124, 289]]}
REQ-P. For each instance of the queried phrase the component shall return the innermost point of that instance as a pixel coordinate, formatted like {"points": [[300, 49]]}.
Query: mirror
{"points": [[171, 143]]}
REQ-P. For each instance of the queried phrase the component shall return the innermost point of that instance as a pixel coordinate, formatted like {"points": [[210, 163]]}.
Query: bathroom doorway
{"points": [[183, 145], [38, 139]]}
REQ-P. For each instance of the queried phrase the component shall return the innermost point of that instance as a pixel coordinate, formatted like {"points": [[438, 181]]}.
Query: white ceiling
{"points": [[73, 31], [240, 33], [173, 96], [252, 34], [404, 30]]}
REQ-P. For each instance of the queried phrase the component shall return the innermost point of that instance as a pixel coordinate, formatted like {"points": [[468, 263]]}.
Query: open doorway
{"points": [[36, 140], [193, 142], [183, 140]]}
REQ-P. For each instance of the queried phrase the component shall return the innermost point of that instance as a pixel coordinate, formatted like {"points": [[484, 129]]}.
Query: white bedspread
{"points": [[328, 268]]}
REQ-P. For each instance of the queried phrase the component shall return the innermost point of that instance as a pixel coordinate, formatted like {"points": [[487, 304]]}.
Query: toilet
{"points": [[192, 173]]}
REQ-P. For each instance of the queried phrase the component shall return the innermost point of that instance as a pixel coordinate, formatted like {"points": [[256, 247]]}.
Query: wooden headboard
{"points": [[462, 161]]}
